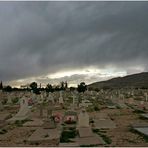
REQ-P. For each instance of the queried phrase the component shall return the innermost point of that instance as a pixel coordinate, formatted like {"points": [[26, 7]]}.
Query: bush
{"points": [[3, 131], [96, 108], [66, 135], [4, 101], [15, 100]]}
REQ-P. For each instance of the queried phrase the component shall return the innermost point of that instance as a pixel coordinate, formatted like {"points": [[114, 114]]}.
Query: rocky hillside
{"points": [[139, 80]]}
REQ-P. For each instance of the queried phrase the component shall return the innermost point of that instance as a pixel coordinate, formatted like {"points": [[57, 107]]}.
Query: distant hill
{"points": [[139, 80]]}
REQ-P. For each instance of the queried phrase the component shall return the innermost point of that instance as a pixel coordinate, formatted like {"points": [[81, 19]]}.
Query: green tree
{"points": [[1, 85], [49, 88], [33, 85], [8, 88], [82, 87]]}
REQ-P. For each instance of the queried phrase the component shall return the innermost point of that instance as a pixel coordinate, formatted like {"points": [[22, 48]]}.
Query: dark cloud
{"points": [[39, 38]]}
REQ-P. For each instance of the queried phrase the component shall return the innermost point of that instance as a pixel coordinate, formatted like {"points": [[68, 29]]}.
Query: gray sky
{"points": [[92, 41]]}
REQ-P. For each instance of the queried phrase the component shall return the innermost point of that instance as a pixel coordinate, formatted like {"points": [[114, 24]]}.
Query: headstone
{"points": [[61, 98], [9, 99], [83, 119], [131, 101], [44, 135]]}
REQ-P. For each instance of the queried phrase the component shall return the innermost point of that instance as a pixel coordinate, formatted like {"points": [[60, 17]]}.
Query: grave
{"points": [[70, 144], [104, 124], [49, 123], [45, 135], [61, 101], [101, 116], [144, 115], [143, 130], [9, 101], [24, 111], [33, 123], [3, 118], [85, 132], [92, 140], [83, 119], [70, 117]]}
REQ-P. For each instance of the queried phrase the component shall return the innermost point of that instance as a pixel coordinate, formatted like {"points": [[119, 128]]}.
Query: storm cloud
{"points": [[42, 38]]}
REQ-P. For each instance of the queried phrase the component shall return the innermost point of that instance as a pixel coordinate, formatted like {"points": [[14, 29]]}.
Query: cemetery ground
{"points": [[107, 126]]}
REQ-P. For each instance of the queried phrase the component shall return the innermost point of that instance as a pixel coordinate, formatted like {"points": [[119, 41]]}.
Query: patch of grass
{"points": [[20, 123], [46, 136], [3, 131], [130, 141], [104, 137], [15, 100], [66, 135], [96, 108], [90, 109], [142, 118], [138, 111], [118, 107], [25, 141]]}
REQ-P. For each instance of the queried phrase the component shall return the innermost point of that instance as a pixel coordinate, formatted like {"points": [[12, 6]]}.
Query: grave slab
{"points": [[44, 135], [137, 125], [94, 140], [85, 132], [144, 115], [34, 123], [104, 124], [143, 130], [101, 116], [4, 116], [71, 144]]}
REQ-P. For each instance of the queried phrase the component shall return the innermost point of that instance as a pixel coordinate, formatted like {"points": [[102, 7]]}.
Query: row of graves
{"points": [[66, 118], [137, 101]]}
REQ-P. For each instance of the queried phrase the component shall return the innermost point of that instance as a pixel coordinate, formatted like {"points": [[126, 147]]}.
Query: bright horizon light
{"points": [[55, 78]]}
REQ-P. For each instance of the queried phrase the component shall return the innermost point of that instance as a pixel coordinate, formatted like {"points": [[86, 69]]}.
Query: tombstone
{"points": [[61, 98], [83, 119], [131, 101], [141, 105], [42, 97], [9, 99], [49, 110]]}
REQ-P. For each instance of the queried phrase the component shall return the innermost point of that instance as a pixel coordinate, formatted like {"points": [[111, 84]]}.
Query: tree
{"points": [[33, 85], [82, 87], [49, 88], [66, 85], [8, 88], [1, 85], [62, 85]]}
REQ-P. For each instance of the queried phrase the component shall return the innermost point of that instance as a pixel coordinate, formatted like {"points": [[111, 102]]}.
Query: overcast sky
{"points": [[73, 41]]}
